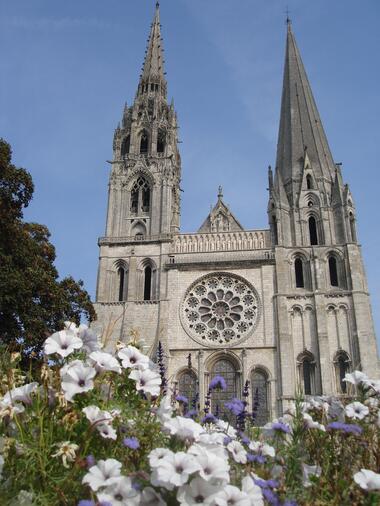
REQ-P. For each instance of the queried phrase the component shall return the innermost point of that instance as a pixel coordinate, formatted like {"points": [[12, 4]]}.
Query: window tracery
{"points": [[140, 196], [225, 368], [219, 309], [188, 385], [259, 387]]}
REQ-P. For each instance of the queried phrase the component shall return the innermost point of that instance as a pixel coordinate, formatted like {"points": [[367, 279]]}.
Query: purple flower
{"points": [[90, 461], [192, 413], [260, 459], [218, 382], [236, 406], [266, 483], [86, 502], [131, 442], [209, 418], [271, 497], [245, 439], [290, 502], [182, 399], [280, 427], [227, 440], [345, 427]]}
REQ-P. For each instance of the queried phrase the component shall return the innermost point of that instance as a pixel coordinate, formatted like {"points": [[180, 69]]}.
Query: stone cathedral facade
{"points": [[284, 307]]}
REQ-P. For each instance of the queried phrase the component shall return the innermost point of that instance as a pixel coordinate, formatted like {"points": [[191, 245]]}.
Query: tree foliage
{"points": [[33, 301]]}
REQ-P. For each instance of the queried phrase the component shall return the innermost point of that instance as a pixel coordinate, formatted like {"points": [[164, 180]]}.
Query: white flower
{"points": [[238, 452], [374, 384], [357, 410], [184, 428], [231, 495], [105, 473], [226, 428], [63, 342], [175, 469], [253, 491], [120, 493], [95, 415], [309, 471], [262, 448], [146, 380], [9, 409], [312, 424], [104, 362], [150, 497], [198, 491], [66, 450], [165, 410], [213, 469], [367, 479], [20, 394], [132, 358], [156, 456], [76, 378], [1, 465], [355, 377], [89, 338], [106, 431]]}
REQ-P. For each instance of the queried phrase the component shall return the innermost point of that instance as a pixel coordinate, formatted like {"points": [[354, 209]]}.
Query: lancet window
{"points": [[333, 271], [225, 368], [140, 196], [342, 367], [125, 145], [188, 385], [161, 141], [306, 366], [144, 142], [122, 282], [259, 387], [313, 233], [299, 274]]}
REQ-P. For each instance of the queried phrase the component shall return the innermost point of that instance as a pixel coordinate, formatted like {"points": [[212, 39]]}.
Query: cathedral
{"points": [[285, 309]]}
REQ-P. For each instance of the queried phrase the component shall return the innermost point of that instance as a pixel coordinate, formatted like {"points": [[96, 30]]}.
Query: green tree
{"points": [[33, 301]]}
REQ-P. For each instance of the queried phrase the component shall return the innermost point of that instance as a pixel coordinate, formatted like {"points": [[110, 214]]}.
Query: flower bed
{"points": [[90, 428]]}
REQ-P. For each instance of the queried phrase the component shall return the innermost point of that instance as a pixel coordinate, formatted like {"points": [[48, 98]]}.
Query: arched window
{"points": [[306, 365], [309, 182], [125, 145], [122, 276], [148, 283], [298, 270], [275, 230], [342, 367], [188, 385], [144, 142], [352, 227], [313, 231], [225, 368], [140, 196], [333, 270], [161, 141], [259, 386]]}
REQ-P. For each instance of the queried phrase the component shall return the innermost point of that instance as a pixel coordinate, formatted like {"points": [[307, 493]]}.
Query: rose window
{"points": [[220, 309]]}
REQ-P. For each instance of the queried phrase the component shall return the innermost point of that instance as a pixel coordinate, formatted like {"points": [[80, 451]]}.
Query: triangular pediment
{"points": [[220, 219]]}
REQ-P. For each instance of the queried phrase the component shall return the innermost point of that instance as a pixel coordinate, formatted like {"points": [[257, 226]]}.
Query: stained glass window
{"points": [[188, 386], [259, 386], [225, 368]]}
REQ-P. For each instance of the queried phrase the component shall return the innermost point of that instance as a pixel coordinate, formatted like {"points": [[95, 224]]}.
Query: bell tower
{"points": [[144, 198], [322, 303]]}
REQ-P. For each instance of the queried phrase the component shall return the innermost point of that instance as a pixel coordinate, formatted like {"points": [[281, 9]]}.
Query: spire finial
{"points": [[288, 20], [157, 4], [220, 192]]}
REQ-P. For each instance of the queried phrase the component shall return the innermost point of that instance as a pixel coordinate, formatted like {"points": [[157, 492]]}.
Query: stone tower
{"points": [[322, 307], [282, 308], [143, 199]]}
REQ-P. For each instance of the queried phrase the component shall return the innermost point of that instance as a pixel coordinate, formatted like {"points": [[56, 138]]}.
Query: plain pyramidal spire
{"points": [[301, 128], [153, 68]]}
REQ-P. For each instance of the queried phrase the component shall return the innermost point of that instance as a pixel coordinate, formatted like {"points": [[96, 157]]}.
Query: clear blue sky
{"points": [[67, 67]]}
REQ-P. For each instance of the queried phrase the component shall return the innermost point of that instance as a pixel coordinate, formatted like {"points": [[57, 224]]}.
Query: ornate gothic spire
{"points": [[300, 124], [153, 69]]}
